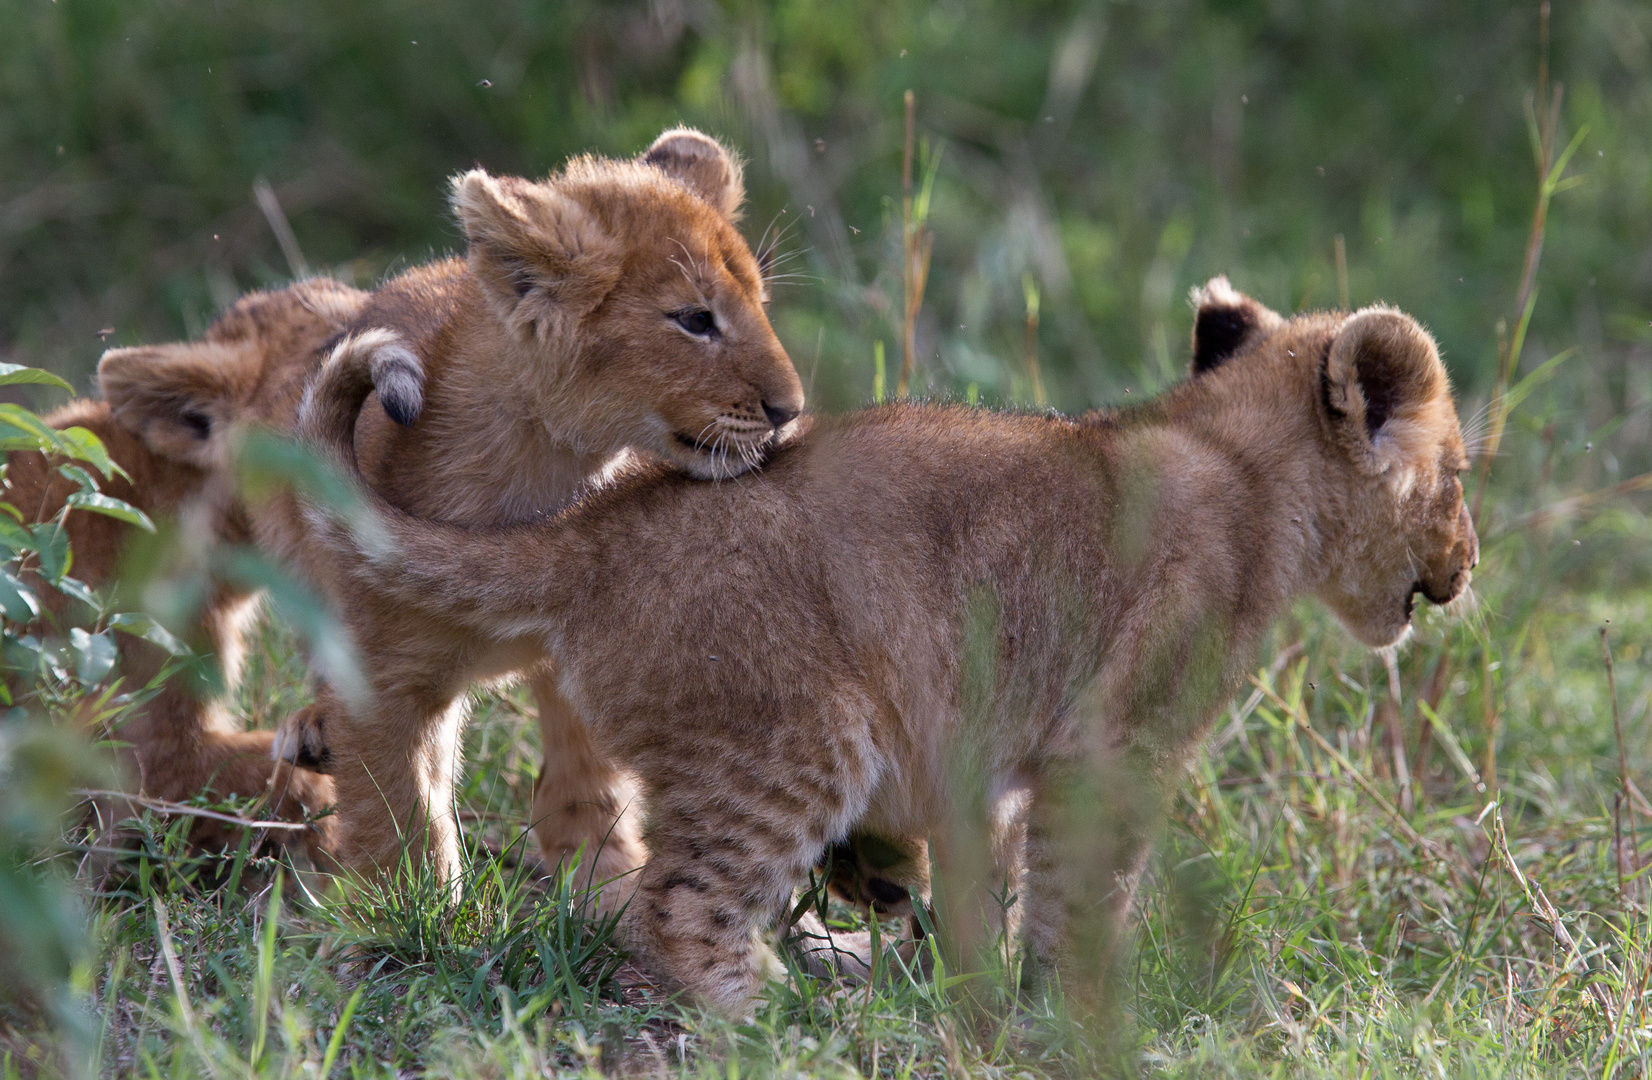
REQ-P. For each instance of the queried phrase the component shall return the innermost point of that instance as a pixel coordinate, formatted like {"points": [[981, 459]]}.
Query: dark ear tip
{"points": [[1217, 334], [1225, 321]]}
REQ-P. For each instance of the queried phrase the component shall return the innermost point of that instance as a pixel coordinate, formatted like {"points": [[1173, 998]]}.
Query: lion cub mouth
{"points": [[725, 443]]}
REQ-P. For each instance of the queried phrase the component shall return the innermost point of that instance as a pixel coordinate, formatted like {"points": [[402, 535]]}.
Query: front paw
{"points": [[301, 739]]}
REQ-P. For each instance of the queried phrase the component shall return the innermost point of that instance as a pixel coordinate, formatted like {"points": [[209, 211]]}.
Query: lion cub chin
{"points": [[611, 307], [916, 616], [168, 418]]}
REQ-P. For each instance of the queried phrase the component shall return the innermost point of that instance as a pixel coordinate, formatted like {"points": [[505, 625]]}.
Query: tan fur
{"points": [[527, 370], [914, 613], [250, 365]]}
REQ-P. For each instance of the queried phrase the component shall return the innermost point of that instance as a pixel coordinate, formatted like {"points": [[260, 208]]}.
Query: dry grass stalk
{"points": [[1549, 915], [164, 806], [1569, 506], [1628, 862], [1544, 130], [281, 227], [1393, 728], [1029, 288], [917, 244]]}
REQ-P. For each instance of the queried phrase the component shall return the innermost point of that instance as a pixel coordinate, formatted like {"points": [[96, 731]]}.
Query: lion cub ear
{"points": [[178, 399], [1387, 393], [541, 257], [702, 163], [1225, 322]]}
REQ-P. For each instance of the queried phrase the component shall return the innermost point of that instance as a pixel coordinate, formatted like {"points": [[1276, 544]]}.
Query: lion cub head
{"points": [[619, 306], [1387, 450], [182, 399]]}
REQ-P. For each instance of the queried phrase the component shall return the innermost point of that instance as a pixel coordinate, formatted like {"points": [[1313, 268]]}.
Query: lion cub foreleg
{"points": [[183, 742], [393, 767], [582, 806], [1087, 837], [715, 880]]}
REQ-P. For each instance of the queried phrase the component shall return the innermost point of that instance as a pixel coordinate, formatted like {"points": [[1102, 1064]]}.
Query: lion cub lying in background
{"points": [[613, 305], [915, 613], [166, 420]]}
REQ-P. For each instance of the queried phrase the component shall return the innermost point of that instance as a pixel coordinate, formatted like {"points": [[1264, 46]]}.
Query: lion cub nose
{"points": [[780, 415]]}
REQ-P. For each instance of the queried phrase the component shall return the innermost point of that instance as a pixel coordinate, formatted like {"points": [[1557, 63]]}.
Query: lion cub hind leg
{"points": [[582, 806]]}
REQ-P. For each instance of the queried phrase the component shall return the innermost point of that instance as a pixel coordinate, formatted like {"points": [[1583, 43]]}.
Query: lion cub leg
{"points": [[879, 873], [717, 877], [393, 768], [1084, 851], [582, 806], [183, 743]]}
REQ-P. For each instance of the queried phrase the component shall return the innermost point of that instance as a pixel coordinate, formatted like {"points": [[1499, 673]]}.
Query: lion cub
{"points": [[169, 433], [613, 305], [917, 614]]}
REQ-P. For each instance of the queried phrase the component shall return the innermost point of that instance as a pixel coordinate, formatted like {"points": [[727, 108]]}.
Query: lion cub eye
{"points": [[697, 321]]}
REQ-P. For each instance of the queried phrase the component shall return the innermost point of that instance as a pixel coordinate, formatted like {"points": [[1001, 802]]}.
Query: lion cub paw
{"points": [[878, 873], [301, 739]]}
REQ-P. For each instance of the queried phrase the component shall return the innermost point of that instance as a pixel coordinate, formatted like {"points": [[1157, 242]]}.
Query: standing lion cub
{"points": [[914, 614], [612, 306]]}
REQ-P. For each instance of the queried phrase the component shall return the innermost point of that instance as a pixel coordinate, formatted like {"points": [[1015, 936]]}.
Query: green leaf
{"points": [[94, 654], [12, 438], [15, 536], [1535, 378], [80, 443], [80, 476], [337, 1039], [1566, 157], [1454, 749], [140, 625], [109, 506], [18, 374], [332, 650], [17, 599], [51, 544], [267, 462], [28, 423], [80, 591]]}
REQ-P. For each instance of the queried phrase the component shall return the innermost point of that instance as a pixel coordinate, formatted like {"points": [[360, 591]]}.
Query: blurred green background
{"points": [[1118, 153]]}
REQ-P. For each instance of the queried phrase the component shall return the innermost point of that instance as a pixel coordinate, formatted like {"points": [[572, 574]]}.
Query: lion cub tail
{"points": [[360, 364]]}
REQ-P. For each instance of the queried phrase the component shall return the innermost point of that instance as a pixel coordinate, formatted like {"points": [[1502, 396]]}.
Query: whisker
{"points": [[1463, 605], [699, 274], [686, 275]]}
